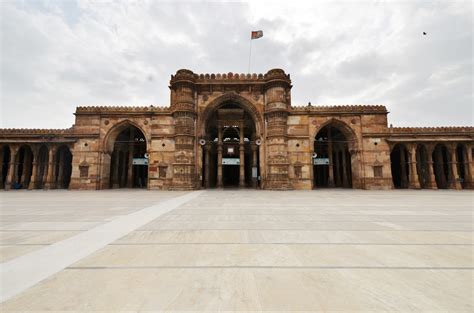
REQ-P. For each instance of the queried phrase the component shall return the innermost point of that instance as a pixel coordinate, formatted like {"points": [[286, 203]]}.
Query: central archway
{"points": [[230, 154]]}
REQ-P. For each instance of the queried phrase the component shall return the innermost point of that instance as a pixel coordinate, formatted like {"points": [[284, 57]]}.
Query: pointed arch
{"points": [[246, 104], [114, 131]]}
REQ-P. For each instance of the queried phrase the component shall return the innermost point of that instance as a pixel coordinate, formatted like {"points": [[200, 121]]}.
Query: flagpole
{"points": [[250, 55]]}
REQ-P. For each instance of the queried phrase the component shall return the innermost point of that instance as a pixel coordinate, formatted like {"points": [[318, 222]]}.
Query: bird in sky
{"points": [[424, 33]]}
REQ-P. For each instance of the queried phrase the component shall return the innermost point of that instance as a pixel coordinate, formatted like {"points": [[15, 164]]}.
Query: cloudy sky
{"points": [[56, 55]]}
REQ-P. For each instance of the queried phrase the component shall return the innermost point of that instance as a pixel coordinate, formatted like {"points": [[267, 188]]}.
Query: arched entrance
{"points": [[5, 161], [441, 166], [23, 168], [423, 166], [399, 166], [63, 167], [230, 156], [129, 162], [332, 159]]}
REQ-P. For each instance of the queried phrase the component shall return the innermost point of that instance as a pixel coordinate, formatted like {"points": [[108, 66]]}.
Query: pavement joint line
{"points": [[269, 267], [27, 270], [298, 229], [287, 243]]}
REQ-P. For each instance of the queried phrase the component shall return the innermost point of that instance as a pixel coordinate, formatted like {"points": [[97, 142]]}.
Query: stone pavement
{"points": [[239, 250]]}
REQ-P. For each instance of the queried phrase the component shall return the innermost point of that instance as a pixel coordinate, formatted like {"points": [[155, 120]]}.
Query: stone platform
{"points": [[237, 250]]}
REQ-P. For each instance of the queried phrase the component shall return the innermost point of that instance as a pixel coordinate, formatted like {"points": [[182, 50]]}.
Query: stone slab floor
{"points": [[238, 250]]}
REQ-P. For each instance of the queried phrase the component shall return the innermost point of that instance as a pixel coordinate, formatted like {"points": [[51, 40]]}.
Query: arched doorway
{"points": [[462, 165], [423, 166], [42, 164], [5, 155], [63, 167], [230, 154], [399, 165], [441, 166], [129, 162], [332, 159], [23, 168]]}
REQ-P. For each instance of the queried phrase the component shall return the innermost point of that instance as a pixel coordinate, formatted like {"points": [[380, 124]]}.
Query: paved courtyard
{"points": [[237, 250]]}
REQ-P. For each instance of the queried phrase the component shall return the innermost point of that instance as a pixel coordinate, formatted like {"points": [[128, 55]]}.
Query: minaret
{"points": [[183, 108], [277, 95]]}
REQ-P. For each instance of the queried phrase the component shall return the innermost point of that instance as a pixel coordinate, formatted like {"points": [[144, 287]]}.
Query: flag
{"points": [[256, 34]]}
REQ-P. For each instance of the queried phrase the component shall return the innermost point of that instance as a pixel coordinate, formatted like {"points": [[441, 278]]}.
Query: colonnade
{"points": [[35, 166], [432, 165], [220, 155]]}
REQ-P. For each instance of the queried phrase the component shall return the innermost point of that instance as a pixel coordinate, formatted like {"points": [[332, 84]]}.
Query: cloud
{"points": [[56, 55]]}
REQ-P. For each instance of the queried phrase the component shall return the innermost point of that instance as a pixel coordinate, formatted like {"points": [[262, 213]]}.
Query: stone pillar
{"points": [[345, 181], [2, 153], [60, 181], [469, 167], [403, 167], [431, 175], [123, 170], [131, 146], [11, 168], [115, 173], [254, 163], [242, 157], [35, 164], [219, 158], [337, 179], [50, 173], [330, 156], [207, 164], [414, 182], [454, 182]]}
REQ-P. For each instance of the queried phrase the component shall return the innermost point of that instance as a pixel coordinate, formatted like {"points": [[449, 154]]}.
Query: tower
{"points": [[277, 95], [183, 109]]}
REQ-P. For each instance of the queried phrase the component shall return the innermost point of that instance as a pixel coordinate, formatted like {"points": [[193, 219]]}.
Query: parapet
{"points": [[339, 109], [120, 109]]}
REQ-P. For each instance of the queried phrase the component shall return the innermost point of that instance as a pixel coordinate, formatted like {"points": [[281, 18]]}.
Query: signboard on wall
{"points": [[230, 161], [140, 161], [321, 161]]}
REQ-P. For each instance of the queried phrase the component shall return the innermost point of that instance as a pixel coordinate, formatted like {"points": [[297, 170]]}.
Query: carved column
{"points": [[60, 179], [2, 154], [431, 176], [50, 176], [11, 167], [207, 164], [469, 173], [219, 158], [337, 179], [454, 182], [345, 182], [115, 173], [131, 147], [254, 163], [35, 164], [242, 157], [414, 181], [331, 161], [277, 95]]}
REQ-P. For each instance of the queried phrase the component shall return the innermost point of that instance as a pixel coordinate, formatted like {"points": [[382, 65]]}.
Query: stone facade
{"points": [[236, 130]]}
